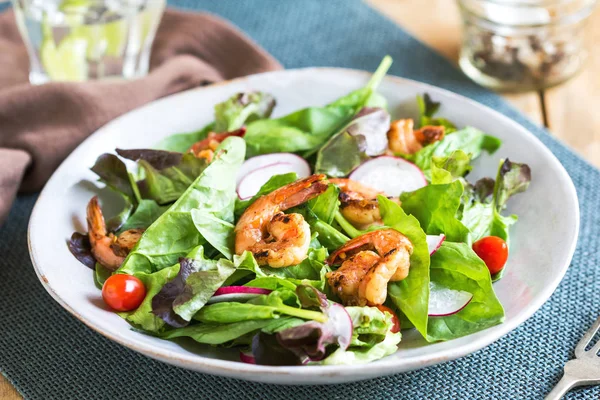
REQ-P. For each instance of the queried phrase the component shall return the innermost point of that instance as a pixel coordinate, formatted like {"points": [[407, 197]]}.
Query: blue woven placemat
{"points": [[47, 354]]}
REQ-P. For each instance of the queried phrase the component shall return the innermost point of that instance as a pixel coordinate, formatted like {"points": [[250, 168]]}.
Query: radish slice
{"points": [[392, 175], [247, 358], [444, 301], [434, 242], [240, 289], [258, 162], [236, 293]]}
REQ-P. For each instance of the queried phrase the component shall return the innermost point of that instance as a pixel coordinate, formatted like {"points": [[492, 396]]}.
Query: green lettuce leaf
{"points": [[241, 109], [220, 333], [325, 205], [470, 140], [144, 215], [436, 207], [456, 266], [275, 182], [410, 295], [450, 168], [427, 109], [218, 232], [173, 234]]}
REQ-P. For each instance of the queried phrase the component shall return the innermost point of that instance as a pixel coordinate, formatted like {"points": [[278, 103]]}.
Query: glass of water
{"points": [[79, 40]]}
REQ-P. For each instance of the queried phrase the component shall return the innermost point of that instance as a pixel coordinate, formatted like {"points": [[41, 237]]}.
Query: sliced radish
{"points": [[247, 357], [444, 301], [391, 175], [236, 293], [434, 242], [254, 163]]}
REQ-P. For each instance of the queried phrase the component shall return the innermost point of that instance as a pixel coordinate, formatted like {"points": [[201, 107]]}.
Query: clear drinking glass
{"points": [[79, 40], [520, 45]]}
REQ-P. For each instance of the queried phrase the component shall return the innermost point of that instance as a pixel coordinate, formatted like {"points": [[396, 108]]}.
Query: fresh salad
{"points": [[312, 238]]}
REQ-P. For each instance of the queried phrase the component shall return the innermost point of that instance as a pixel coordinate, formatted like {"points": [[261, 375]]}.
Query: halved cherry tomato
{"points": [[395, 320], [493, 251], [123, 292]]}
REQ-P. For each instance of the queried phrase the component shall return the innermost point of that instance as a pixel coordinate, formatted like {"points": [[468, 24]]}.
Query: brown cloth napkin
{"points": [[41, 125]]}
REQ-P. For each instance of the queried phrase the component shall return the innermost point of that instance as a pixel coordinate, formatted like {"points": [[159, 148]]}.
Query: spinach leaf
{"points": [[436, 207], [218, 232], [143, 317], [303, 130], [116, 222], [325, 205], [241, 109], [144, 215], [219, 333], [427, 109], [173, 234], [363, 137], [181, 142], [470, 140], [457, 267], [263, 307], [410, 295]]}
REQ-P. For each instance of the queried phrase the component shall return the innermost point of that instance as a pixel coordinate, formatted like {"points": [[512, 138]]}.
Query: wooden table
{"points": [[570, 110]]}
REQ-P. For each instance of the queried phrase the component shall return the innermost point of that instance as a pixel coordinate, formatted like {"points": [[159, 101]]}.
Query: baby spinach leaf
{"points": [[101, 274], [363, 137], [435, 207], [410, 295], [219, 233], [144, 215], [117, 221], [218, 333], [326, 204], [470, 140], [173, 234], [303, 130], [241, 109], [457, 267], [181, 142]]}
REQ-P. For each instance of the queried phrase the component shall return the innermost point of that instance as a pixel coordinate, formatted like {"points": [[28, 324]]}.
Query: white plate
{"points": [[543, 241]]}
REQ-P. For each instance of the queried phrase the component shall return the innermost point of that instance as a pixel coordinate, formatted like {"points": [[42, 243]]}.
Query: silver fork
{"points": [[584, 370]]}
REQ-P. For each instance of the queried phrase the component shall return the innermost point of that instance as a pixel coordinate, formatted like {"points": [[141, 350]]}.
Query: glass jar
{"points": [[519, 45], [78, 40]]}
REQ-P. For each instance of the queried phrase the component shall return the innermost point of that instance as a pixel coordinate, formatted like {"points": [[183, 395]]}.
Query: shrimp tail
{"points": [[95, 219], [301, 191], [351, 246]]}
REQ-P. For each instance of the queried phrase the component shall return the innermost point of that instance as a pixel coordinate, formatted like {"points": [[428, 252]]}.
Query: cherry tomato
{"points": [[493, 251], [123, 292], [395, 320]]}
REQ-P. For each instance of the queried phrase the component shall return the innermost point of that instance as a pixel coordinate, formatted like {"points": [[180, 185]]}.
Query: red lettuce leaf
{"points": [[80, 247]]}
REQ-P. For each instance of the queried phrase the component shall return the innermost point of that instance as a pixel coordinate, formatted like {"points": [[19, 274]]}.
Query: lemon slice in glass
{"points": [[65, 62]]}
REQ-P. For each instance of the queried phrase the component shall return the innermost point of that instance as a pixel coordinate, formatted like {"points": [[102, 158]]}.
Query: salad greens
{"points": [[199, 285]]}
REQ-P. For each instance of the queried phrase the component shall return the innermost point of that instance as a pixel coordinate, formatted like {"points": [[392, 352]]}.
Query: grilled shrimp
{"points": [[108, 249], [402, 138], [369, 262], [277, 239], [358, 203]]}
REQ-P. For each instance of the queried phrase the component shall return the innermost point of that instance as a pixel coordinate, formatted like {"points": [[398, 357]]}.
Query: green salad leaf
{"points": [[275, 182], [181, 142], [174, 234], [427, 109], [436, 207], [241, 109], [470, 140], [410, 295], [456, 266], [446, 169], [144, 215]]}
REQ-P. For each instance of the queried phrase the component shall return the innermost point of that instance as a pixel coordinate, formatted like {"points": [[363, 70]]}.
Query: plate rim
{"points": [[315, 374]]}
